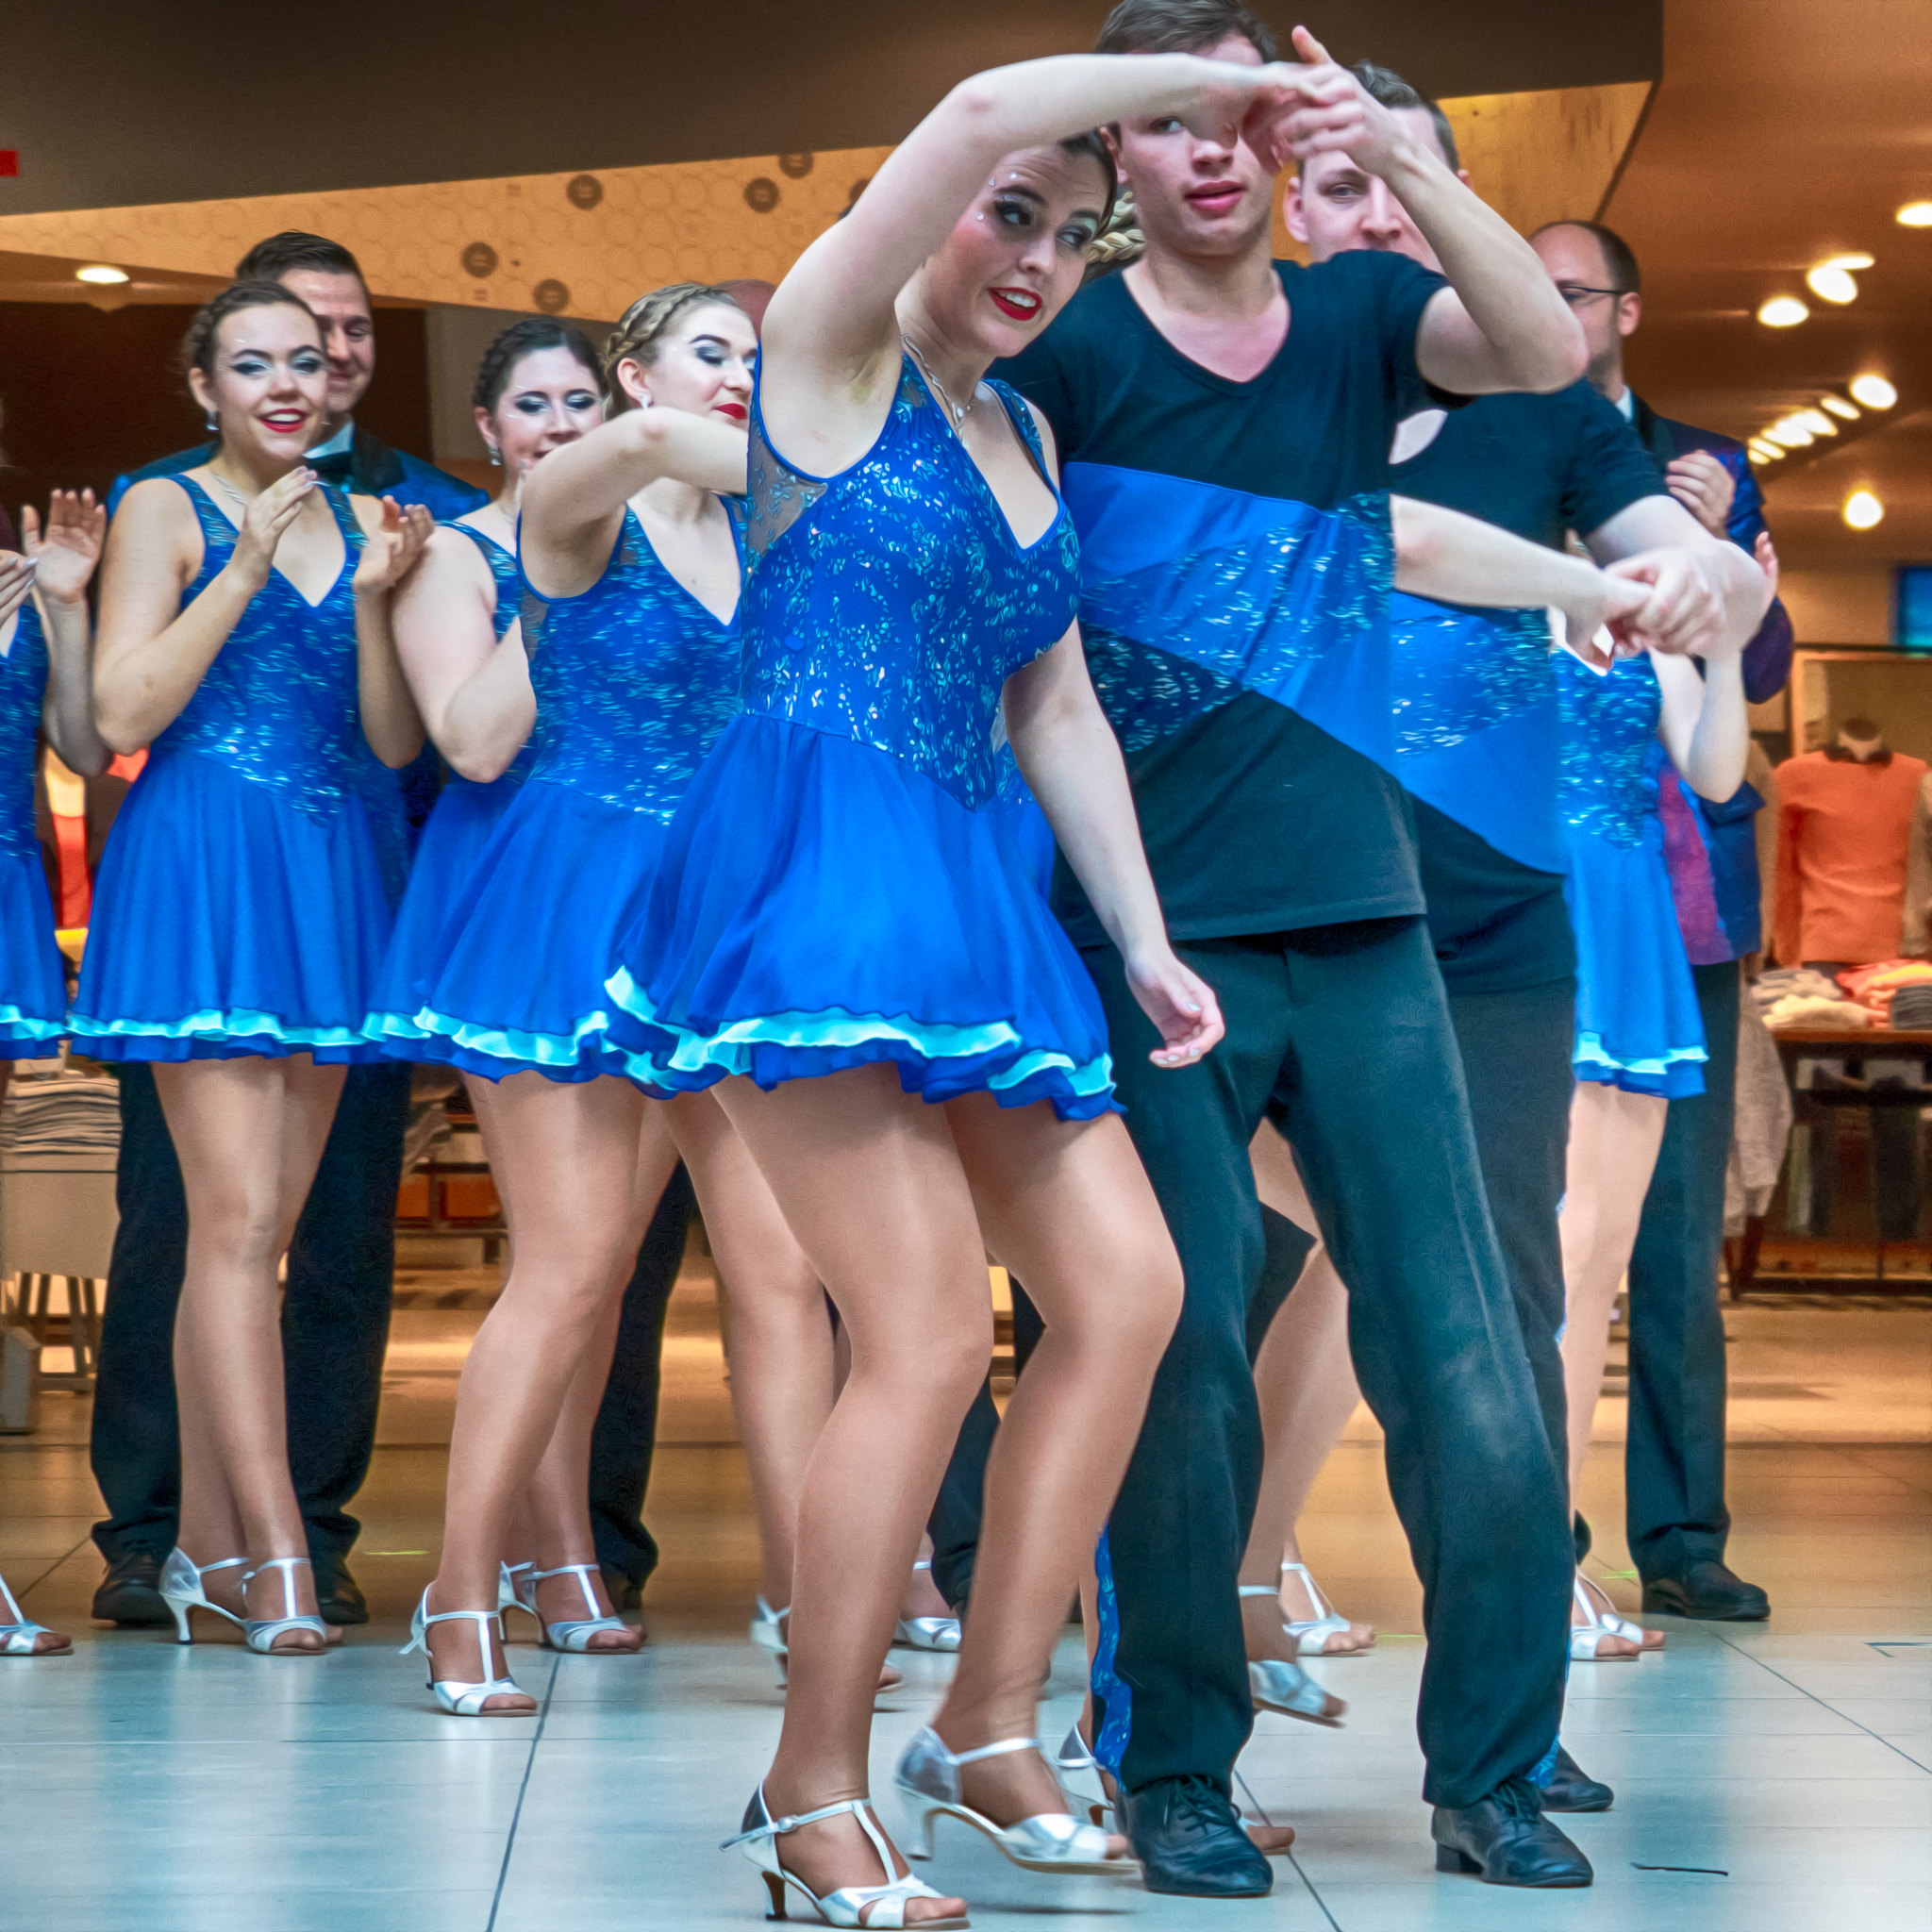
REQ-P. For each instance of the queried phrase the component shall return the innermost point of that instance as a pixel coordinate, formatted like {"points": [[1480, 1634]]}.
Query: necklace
{"points": [[952, 408], [227, 489]]}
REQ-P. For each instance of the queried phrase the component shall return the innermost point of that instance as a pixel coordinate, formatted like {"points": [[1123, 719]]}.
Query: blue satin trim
{"points": [[15, 1025], [215, 1027], [508, 1044], [1260, 593]]}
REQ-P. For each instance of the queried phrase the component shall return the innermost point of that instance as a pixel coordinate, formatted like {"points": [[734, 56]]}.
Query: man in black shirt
{"points": [[1212, 410]]}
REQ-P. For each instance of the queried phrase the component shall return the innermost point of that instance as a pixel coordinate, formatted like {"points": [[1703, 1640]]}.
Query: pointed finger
{"points": [[1310, 49]]}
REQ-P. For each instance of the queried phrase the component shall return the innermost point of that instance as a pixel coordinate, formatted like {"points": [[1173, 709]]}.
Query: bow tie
{"points": [[338, 467]]}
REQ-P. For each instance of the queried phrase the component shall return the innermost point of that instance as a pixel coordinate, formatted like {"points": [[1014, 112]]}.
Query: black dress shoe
{"points": [[1506, 1840], [1189, 1839], [1579, 1535], [1571, 1788], [623, 1592], [338, 1596], [130, 1593], [1708, 1591]]}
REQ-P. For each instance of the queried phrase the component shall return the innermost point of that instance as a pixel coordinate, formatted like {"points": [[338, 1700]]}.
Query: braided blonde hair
{"points": [[1119, 242], [640, 331]]}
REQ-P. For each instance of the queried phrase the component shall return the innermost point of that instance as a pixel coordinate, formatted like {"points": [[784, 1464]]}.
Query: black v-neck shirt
{"points": [[1255, 820]]}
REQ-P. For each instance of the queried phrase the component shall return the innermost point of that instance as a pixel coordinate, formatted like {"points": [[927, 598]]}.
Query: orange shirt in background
{"points": [[1841, 835]]}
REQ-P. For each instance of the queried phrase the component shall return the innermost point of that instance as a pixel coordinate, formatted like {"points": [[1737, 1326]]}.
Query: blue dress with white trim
{"points": [[460, 826], [635, 679], [1638, 1026], [242, 905], [842, 885], [33, 982]]}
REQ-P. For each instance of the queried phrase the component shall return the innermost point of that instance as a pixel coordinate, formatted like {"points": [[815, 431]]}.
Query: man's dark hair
{"points": [[270, 260], [1180, 26], [1384, 85], [1625, 276]]}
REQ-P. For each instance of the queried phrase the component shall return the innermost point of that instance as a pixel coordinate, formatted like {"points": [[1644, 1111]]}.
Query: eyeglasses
{"points": [[1576, 295]]}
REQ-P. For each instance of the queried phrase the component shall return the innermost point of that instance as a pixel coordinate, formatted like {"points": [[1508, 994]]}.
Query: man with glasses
{"points": [[1676, 1517]]}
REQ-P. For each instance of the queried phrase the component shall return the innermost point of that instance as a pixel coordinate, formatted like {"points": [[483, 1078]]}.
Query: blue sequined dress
{"points": [[841, 884], [241, 907], [33, 983], [1638, 1021], [460, 826], [634, 679]]}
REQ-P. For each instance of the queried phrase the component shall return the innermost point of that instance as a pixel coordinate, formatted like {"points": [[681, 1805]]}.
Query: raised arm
{"points": [[149, 652], [64, 558], [394, 540], [472, 688], [1500, 324], [573, 501], [1705, 726]]}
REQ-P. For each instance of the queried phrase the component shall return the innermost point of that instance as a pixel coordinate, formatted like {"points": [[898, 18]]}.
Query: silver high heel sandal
{"points": [[928, 1774], [509, 1593], [768, 1633], [928, 1633], [1312, 1634], [18, 1637], [457, 1697], [1279, 1685], [181, 1590], [575, 1636], [758, 1841], [1587, 1637], [1084, 1779], [1605, 1613]]}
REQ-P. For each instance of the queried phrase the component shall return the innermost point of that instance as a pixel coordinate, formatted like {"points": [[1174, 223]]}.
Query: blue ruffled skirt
{"points": [[822, 904], [229, 924], [460, 828], [33, 980], [1638, 1021], [520, 966]]}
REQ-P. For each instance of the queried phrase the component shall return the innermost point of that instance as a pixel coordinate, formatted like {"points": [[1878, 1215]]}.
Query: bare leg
{"points": [[571, 1155], [869, 1180], [1304, 1380], [249, 1135], [1614, 1137], [1068, 1207]]}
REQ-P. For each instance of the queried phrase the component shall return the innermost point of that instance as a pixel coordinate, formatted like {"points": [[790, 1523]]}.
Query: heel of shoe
{"points": [[181, 1613], [920, 1845], [1449, 1860], [775, 1887]]}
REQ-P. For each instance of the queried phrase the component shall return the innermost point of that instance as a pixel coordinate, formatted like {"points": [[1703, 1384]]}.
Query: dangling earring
{"points": [[213, 425], [495, 455]]}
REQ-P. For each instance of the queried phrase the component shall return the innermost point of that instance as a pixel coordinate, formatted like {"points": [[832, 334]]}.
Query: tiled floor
{"points": [[1776, 1778]]}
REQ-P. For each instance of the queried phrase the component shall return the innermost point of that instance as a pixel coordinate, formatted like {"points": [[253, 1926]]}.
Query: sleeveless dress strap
{"points": [[346, 520], [1021, 419], [481, 538], [214, 525]]}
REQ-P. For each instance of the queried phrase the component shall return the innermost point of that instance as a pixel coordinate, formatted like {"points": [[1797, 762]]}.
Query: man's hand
{"points": [[1331, 112], [1684, 615], [1704, 488]]}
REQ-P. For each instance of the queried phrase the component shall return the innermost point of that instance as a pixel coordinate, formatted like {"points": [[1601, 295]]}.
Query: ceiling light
{"points": [[1830, 285], [1844, 411], [1863, 511], [1874, 391], [1915, 214], [1783, 311], [1759, 458], [100, 272], [1790, 434], [1854, 261], [1817, 421], [1765, 450]]}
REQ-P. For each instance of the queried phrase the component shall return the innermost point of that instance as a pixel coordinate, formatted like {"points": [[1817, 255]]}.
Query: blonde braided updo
{"points": [[641, 330]]}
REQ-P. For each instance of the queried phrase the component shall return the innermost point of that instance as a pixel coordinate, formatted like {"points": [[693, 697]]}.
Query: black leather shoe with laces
{"points": [[1506, 1840], [130, 1593], [1709, 1591], [1190, 1840], [1571, 1788]]}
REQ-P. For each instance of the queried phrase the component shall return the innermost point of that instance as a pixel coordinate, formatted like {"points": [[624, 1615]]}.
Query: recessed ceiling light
{"points": [[1765, 450], [1854, 261], [1817, 421], [1758, 456], [1863, 511], [1844, 411], [100, 272], [1874, 391], [1832, 284], [1915, 214], [1783, 311], [1789, 433]]}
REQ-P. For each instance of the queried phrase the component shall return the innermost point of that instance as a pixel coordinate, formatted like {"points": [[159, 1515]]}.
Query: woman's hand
{"points": [[1765, 556], [390, 554], [1181, 1004], [264, 523], [1605, 604], [65, 556], [16, 580]]}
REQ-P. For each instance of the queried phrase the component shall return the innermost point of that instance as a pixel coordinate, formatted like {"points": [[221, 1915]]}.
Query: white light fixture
{"points": [[1758, 459], [1788, 433], [1874, 391], [1915, 214], [99, 272], [1765, 450], [1844, 411], [1854, 261], [1783, 311], [1817, 421], [1831, 284], [1863, 511]]}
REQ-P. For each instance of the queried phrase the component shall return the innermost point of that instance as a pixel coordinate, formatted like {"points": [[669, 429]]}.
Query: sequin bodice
{"points": [[277, 705], [509, 598], [1612, 757], [22, 689], [634, 679], [891, 603]]}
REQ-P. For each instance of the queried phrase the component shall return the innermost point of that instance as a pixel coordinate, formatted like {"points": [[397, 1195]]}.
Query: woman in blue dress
{"points": [[845, 939], [1639, 1034], [46, 646], [241, 911]]}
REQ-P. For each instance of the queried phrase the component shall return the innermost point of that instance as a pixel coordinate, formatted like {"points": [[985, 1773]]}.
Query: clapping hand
{"points": [[266, 521], [64, 556], [391, 553]]}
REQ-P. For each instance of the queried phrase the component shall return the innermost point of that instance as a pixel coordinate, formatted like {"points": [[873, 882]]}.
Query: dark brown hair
{"points": [[1384, 85], [269, 260], [1180, 26], [525, 338], [199, 344]]}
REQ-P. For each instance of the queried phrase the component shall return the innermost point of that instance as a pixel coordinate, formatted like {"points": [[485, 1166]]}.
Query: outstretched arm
{"points": [[573, 501], [64, 559], [1500, 324]]}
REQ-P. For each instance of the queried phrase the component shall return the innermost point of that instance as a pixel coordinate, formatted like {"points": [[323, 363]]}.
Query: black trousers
{"points": [[1348, 1030], [335, 1317], [1674, 1464]]}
